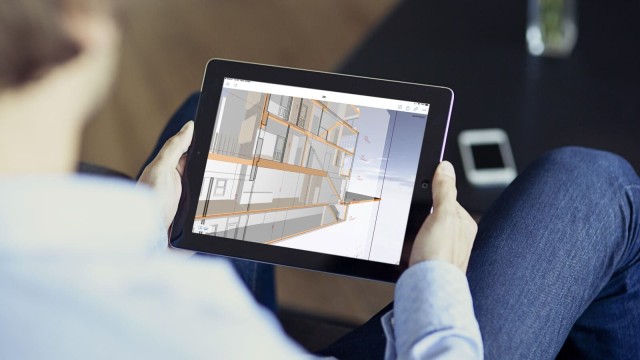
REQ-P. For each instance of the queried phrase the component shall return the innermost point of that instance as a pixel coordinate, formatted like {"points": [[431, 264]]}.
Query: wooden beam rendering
{"points": [[259, 211], [307, 133], [269, 164]]}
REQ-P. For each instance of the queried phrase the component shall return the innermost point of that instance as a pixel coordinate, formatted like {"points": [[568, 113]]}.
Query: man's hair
{"points": [[33, 38]]}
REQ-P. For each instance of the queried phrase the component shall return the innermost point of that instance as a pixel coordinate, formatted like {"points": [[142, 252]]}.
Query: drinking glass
{"points": [[551, 27]]}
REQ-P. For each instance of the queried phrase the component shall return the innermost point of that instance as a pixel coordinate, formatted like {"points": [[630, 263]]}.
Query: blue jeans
{"points": [[556, 264], [555, 269]]}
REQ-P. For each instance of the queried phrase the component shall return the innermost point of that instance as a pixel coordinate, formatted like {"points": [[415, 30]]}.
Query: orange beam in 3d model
{"points": [[258, 211], [269, 164]]}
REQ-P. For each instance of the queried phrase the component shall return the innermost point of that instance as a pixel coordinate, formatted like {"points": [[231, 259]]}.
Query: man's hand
{"points": [[164, 173], [449, 232]]}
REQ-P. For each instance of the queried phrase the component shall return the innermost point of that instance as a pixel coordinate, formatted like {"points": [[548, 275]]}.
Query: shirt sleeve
{"points": [[433, 315]]}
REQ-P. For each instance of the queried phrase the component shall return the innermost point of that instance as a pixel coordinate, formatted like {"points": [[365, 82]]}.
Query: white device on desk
{"points": [[486, 157]]}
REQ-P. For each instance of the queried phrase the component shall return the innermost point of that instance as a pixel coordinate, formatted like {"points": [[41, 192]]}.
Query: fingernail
{"points": [[447, 169], [187, 125]]}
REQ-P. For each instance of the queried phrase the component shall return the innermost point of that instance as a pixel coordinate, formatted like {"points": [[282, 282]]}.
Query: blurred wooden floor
{"points": [[166, 44]]}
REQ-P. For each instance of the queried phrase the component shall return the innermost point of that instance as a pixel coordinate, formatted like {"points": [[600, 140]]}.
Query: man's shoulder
{"points": [[53, 216]]}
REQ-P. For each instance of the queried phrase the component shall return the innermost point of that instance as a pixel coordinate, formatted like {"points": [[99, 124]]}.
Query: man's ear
{"points": [[85, 79], [91, 28]]}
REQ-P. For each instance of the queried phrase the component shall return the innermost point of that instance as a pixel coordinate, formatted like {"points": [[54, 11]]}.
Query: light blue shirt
{"points": [[433, 315], [85, 274]]}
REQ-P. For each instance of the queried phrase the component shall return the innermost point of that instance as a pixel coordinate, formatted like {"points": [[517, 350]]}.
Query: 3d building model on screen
{"points": [[282, 167]]}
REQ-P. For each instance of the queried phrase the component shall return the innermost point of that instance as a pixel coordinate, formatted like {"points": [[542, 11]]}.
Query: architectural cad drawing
{"points": [[280, 166]]}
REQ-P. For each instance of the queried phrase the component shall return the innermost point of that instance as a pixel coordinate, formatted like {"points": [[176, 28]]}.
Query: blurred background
{"points": [[549, 73], [167, 43]]}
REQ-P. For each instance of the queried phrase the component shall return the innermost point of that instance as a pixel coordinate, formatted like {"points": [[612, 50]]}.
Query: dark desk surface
{"points": [[479, 50]]}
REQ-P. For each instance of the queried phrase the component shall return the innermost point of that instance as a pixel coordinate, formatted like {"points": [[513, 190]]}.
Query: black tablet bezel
{"points": [[440, 100]]}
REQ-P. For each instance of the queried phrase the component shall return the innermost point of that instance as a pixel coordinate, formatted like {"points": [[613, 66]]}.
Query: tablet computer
{"points": [[309, 169]]}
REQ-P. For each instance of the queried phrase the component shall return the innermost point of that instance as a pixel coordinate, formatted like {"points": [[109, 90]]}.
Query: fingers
{"points": [[182, 163], [444, 187], [176, 146], [470, 225]]}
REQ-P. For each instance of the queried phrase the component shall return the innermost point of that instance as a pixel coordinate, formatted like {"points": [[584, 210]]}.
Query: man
{"points": [[86, 269], [86, 273]]}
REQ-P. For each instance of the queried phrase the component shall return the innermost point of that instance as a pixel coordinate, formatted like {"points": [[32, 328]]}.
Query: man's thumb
{"points": [[177, 145], [444, 185]]}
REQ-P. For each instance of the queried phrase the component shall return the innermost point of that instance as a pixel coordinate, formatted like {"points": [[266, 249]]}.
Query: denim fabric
{"points": [[557, 258], [258, 277]]}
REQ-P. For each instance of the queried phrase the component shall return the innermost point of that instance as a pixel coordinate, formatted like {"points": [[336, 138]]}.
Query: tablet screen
{"points": [[310, 169]]}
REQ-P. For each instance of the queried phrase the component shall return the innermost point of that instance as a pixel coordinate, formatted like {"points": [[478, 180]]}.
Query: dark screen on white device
{"points": [[487, 156]]}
